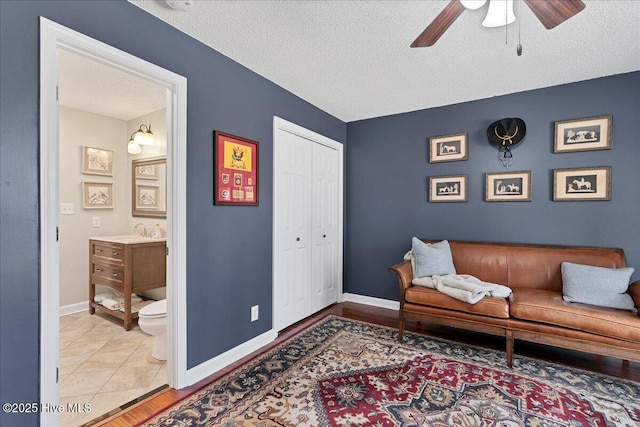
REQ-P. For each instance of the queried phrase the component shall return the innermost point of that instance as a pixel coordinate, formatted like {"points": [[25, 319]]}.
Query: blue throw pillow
{"points": [[432, 259], [606, 287]]}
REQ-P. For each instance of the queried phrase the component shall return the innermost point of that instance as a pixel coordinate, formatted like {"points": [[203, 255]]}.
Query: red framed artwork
{"points": [[235, 180]]}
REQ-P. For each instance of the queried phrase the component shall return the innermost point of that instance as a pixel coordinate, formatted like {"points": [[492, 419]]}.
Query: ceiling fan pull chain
{"points": [[506, 24], [519, 47]]}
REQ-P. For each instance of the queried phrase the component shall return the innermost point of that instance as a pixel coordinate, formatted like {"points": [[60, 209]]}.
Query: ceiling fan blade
{"points": [[439, 25], [554, 12]]}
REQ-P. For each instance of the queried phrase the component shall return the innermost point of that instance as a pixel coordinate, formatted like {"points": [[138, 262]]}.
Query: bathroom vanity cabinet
{"points": [[128, 264]]}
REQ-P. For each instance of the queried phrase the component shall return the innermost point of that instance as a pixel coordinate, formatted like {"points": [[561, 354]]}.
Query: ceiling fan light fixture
{"points": [[473, 4], [500, 13]]}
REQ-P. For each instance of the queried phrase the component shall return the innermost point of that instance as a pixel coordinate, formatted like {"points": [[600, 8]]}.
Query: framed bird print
{"points": [[235, 180]]}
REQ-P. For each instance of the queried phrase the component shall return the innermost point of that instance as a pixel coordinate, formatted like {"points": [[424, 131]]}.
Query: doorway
{"points": [[54, 37]]}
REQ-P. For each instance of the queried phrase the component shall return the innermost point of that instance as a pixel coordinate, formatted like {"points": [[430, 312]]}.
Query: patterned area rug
{"points": [[341, 372]]}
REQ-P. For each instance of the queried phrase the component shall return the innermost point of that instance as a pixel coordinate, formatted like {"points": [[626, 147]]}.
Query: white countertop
{"points": [[127, 239]]}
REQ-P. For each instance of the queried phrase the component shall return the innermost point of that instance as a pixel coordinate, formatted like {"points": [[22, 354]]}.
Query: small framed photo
{"points": [[582, 184], [96, 161], [97, 195], [448, 148], [593, 133], [235, 180], [146, 171], [448, 188], [508, 187], [146, 197]]}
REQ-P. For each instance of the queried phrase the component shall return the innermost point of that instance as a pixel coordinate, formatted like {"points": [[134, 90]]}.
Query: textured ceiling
{"points": [[352, 58], [90, 86]]}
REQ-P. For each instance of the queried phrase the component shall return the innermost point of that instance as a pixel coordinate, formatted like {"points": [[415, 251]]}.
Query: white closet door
{"points": [[324, 209], [292, 297]]}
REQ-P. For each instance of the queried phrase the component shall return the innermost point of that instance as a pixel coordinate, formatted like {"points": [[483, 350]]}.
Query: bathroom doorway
{"points": [[73, 188], [105, 358]]}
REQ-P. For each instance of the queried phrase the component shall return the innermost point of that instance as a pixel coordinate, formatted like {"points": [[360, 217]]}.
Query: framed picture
{"points": [[448, 148], [593, 133], [147, 197], [149, 201], [146, 171], [448, 188], [582, 184], [508, 187], [97, 195], [96, 161], [235, 180]]}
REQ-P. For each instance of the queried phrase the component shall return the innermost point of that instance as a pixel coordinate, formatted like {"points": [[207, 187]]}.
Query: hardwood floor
{"points": [[138, 412]]}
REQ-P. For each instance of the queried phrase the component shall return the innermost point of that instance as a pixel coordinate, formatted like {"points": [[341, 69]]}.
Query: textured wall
{"points": [[228, 248], [387, 172]]}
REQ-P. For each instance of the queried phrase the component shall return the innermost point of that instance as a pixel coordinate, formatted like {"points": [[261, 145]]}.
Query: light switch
{"points": [[96, 221], [67, 209]]}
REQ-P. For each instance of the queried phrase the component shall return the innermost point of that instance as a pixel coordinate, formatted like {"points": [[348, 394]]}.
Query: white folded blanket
{"points": [[115, 301], [101, 297], [110, 304], [463, 287]]}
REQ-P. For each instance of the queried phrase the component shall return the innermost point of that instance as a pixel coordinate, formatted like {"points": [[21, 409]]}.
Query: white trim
{"points": [[375, 302], [78, 307], [52, 37], [281, 124], [225, 359]]}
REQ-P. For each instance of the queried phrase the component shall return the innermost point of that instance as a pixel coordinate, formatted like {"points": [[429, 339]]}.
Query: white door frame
{"points": [[54, 36], [283, 125]]}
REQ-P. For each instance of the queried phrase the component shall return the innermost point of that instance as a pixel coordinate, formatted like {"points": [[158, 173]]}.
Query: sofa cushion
{"points": [[539, 305], [488, 306], [606, 287], [431, 258]]}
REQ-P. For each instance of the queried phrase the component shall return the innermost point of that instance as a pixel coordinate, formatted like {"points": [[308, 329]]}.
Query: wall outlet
{"points": [[255, 313], [67, 209], [95, 222]]}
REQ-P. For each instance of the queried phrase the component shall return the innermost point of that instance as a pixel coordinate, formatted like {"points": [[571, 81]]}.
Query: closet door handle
{"points": [[297, 239], [324, 236]]}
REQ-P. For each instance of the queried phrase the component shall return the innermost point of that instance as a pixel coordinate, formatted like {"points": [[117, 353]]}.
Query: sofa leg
{"points": [[509, 337], [401, 327]]}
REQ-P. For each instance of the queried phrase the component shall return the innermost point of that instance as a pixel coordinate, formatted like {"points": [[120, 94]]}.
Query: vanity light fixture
{"points": [[139, 138]]}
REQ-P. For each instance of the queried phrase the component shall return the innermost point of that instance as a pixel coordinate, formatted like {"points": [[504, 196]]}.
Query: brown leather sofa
{"points": [[535, 311]]}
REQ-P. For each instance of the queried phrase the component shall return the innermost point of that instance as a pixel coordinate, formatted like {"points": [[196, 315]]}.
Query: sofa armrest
{"points": [[405, 275], [634, 291]]}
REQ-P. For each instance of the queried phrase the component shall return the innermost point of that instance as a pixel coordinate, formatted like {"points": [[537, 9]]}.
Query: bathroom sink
{"points": [[128, 239]]}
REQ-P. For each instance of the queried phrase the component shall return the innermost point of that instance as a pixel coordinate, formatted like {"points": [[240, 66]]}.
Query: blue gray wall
{"points": [[387, 171], [228, 248]]}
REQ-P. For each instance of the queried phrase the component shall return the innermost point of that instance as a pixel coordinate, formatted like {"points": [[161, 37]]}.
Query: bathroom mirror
{"points": [[149, 187]]}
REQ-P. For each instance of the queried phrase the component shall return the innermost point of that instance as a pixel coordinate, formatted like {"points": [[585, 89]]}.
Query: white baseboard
{"points": [[376, 302], [212, 366], [74, 308]]}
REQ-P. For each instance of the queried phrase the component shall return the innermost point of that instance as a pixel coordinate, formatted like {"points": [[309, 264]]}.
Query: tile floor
{"points": [[104, 365]]}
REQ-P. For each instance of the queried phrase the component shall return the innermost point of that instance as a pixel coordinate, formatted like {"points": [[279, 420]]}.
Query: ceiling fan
{"points": [[550, 12]]}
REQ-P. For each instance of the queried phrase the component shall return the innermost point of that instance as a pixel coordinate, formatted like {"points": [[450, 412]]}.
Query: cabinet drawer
{"points": [[115, 274], [112, 252]]}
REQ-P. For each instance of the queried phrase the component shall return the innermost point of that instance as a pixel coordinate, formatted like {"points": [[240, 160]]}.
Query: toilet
{"points": [[152, 319]]}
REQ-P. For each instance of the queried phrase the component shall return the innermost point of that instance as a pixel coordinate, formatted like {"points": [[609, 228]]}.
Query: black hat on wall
{"points": [[506, 133]]}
